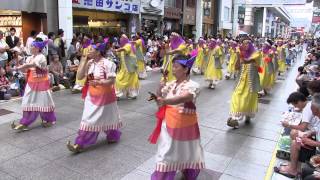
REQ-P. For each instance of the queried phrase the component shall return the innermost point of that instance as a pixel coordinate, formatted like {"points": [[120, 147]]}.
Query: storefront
{"points": [[24, 16], [171, 21], [152, 17], [105, 17], [208, 17], [189, 19]]}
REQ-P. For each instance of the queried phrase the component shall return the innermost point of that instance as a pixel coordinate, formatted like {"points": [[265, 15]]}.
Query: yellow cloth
{"points": [[244, 102], [281, 60], [212, 73], [199, 60], [266, 80], [168, 59], [233, 60], [140, 62], [125, 80]]}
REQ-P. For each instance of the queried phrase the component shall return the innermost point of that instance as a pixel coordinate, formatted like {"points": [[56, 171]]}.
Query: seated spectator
{"points": [[4, 85], [303, 147], [56, 71], [71, 69]]}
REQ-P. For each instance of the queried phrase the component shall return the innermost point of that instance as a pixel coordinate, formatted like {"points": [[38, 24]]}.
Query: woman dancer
{"points": [[140, 45], [267, 73], [100, 112], [179, 147], [198, 67], [233, 60], [176, 47], [244, 100], [37, 98], [214, 69], [127, 80]]}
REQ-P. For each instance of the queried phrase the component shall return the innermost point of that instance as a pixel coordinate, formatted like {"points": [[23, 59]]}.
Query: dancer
{"points": [[214, 69], [140, 45], [179, 147], [37, 98], [244, 100], [100, 112], [127, 80], [281, 57], [267, 73], [198, 67], [176, 47], [233, 60], [275, 63]]}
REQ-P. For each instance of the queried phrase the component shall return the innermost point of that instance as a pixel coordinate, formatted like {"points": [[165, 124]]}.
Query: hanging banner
{"points": [[124, 6]]}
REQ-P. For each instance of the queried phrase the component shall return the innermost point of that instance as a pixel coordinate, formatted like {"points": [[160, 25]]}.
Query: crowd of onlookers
{"points": [[300, 140]]}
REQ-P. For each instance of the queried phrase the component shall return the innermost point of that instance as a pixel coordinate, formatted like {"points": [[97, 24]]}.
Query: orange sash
{"points": [[102, 95]]}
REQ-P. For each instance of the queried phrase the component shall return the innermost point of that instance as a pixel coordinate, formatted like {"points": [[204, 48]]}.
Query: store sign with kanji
{"points": [[124, 6]]}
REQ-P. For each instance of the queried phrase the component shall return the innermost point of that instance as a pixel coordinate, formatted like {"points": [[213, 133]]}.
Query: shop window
{"points": [[226, 14], [170, 3], [191, 3]]}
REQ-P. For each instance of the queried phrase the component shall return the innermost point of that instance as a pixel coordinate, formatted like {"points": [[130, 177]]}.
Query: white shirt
{"points": [[308, 117], [28, 45], [3, 56]]}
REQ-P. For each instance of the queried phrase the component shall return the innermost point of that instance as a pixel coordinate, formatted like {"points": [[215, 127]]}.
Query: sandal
{"points": [[233, 123], [277, 170]]}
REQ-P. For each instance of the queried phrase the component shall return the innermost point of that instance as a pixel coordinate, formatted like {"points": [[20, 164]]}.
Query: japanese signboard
{"points": [[124, 6]]}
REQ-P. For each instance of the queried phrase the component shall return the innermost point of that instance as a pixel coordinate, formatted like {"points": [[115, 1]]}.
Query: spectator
{"points": [[12, 41], [59, 42], [30, 39], [4, 85], [52, 48], [72, 51], [56, 72], [3, 51], [304, 147]]}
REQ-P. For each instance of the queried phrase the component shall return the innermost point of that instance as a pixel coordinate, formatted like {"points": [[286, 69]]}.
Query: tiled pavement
{"points": [[242, 154]]}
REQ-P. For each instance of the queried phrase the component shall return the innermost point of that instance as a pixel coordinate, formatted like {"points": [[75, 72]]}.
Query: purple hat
{"points": [[39, 44], [186, 62]]}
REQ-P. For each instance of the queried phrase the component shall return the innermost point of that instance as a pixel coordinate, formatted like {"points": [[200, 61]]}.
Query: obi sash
{"points": [[102, 95], [131, 63], [181, 125], [38, 80]]}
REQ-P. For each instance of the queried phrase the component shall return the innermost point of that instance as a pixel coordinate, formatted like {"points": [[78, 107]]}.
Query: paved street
{"points": [[230, 154]]}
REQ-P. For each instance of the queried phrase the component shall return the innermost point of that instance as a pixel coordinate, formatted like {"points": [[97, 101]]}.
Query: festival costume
{"points": [[213, 72], [281, 59], [127, 80], [202, 58], [176, 43], [100, 112], [267, 73], [179, 147], [232, 70], [37, 98], [140, 59], [244, 100]]}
